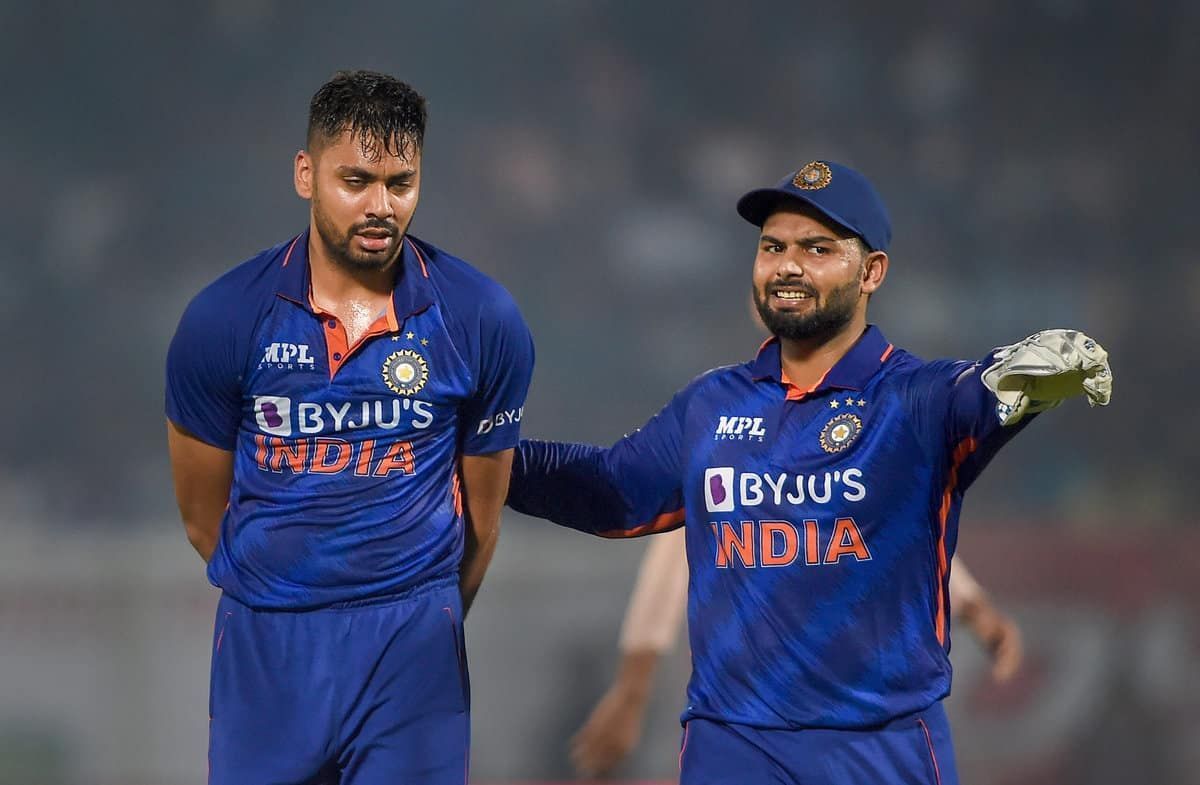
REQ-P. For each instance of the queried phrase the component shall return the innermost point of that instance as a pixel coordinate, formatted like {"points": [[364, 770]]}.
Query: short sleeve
{"points": [[492, 415], [203, 394]]}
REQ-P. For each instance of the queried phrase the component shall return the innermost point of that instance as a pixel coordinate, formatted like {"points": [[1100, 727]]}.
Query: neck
{"points": [[806, 361], [335, 282]]}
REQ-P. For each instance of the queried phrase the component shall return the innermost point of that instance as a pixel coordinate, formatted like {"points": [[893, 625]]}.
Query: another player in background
{"points": [[820, 484], [652, 623], [342, 411]]}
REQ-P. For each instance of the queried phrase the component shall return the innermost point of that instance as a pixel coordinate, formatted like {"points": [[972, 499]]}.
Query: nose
{"points": [[790, 266], [379, 203]]}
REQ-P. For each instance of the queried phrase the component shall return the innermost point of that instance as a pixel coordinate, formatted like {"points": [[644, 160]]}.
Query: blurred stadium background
{"points": [[1040, 160]]}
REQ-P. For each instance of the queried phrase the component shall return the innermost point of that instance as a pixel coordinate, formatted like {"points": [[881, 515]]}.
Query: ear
{"points": [[305, 170], [875, 268]]}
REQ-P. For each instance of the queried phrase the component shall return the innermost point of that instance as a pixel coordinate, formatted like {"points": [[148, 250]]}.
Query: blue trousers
{"points": [[364, 695], [914, 750]]}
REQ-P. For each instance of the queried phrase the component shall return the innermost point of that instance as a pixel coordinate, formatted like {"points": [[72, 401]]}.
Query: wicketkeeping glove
{"points": [[1045, 369]]}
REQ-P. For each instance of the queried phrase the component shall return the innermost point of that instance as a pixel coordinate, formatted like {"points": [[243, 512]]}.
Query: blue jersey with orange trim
{"points": [[820, 526], [345, 480]]}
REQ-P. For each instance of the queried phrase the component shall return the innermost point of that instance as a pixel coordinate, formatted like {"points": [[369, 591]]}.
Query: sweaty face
{"points": [[363, 201], [807, 276]]}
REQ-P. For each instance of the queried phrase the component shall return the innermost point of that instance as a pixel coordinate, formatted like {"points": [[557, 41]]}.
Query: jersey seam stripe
{"points": [[937, 770], [961, 452], [660, 523]]}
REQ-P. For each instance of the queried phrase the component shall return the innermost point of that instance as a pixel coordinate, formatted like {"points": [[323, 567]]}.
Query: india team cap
{"points": [[838, 192]]}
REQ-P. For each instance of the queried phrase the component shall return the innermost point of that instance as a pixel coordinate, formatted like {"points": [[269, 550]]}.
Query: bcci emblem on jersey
{"points": [[405, 372], [840, 432]]}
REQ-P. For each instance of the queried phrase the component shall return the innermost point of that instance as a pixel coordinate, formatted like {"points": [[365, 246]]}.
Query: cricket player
{"points": [[651, 626], [342, 411], [820, 484]]}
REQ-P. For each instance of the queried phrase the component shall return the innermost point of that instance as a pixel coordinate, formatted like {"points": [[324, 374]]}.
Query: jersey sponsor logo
{"points": [[725, 489], [405, 372], [718, 489], [288, 356], [331, 455], [740, 429], [773, 543], [274, 414], [840, 432], [499, 420], [278, 415]]}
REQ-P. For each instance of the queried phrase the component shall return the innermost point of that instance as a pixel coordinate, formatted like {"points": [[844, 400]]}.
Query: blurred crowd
{"points": [[1038, 159]]}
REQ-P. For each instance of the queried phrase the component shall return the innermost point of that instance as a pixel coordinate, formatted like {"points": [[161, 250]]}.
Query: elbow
{"points": [[203, 538]]}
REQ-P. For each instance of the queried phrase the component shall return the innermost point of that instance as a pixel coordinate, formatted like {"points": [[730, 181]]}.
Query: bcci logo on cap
{"points": [[813, 176], [405, 372]]}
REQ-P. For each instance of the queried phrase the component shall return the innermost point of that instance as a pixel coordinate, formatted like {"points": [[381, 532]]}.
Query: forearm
{"points": [[203, 536], [478, 548], [484, 484], [635, 674], [966, 595], [659, 598], [203, 477], [575, 486], [564, 483]]}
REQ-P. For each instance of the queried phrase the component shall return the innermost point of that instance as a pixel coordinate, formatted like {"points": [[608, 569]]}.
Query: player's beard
{"points": [[829, 315], [339, 245]]}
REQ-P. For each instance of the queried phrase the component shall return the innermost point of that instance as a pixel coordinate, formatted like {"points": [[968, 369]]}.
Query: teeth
{"points": [[792, 295]]}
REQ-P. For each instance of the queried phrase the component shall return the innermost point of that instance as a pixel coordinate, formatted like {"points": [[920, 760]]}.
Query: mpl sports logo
{"points": [[287, 356], [740, 429]]}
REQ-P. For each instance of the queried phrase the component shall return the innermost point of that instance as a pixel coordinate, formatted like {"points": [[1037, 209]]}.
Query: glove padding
{"points": [[1045, 369]]}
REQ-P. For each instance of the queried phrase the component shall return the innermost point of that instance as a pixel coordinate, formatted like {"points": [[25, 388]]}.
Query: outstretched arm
{"points": [[996, 631], [651, 625], [628, 490]]}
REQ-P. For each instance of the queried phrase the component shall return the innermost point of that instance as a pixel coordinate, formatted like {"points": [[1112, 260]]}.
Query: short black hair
{"points": [[386, 115]]}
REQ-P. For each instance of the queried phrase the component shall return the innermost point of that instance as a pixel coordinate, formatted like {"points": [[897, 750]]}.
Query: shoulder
{"points": [[233, 295], [719, 382], [466, 294], [903, 367]]}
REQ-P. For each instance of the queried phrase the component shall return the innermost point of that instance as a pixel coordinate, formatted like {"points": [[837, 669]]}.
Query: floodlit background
{"points": [[1040, 162]]}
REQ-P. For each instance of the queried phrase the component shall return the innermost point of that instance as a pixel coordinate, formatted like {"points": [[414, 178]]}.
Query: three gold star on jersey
{"points": [[410, 335]]}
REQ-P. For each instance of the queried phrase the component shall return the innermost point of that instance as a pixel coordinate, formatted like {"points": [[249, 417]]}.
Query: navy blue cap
{"points": [[838, 192]]}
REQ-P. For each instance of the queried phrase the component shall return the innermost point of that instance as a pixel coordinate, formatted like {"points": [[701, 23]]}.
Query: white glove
{"points": [[1045, 369]]}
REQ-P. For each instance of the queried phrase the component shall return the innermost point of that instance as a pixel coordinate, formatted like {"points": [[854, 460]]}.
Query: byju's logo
{"points": [[287, 356], [740, 429], [718, 489], [274, 414], [499, 420]]}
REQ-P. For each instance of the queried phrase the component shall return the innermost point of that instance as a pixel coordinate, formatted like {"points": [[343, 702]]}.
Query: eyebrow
{"points": [[354, 171], [820, 238]]}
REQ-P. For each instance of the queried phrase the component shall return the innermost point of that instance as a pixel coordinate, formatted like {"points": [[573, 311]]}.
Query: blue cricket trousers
{"points": [[366, 693], [913, 750]]}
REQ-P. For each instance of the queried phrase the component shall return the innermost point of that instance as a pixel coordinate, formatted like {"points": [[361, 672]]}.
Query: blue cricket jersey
{"points": [[346, 481], [820, 526]]}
